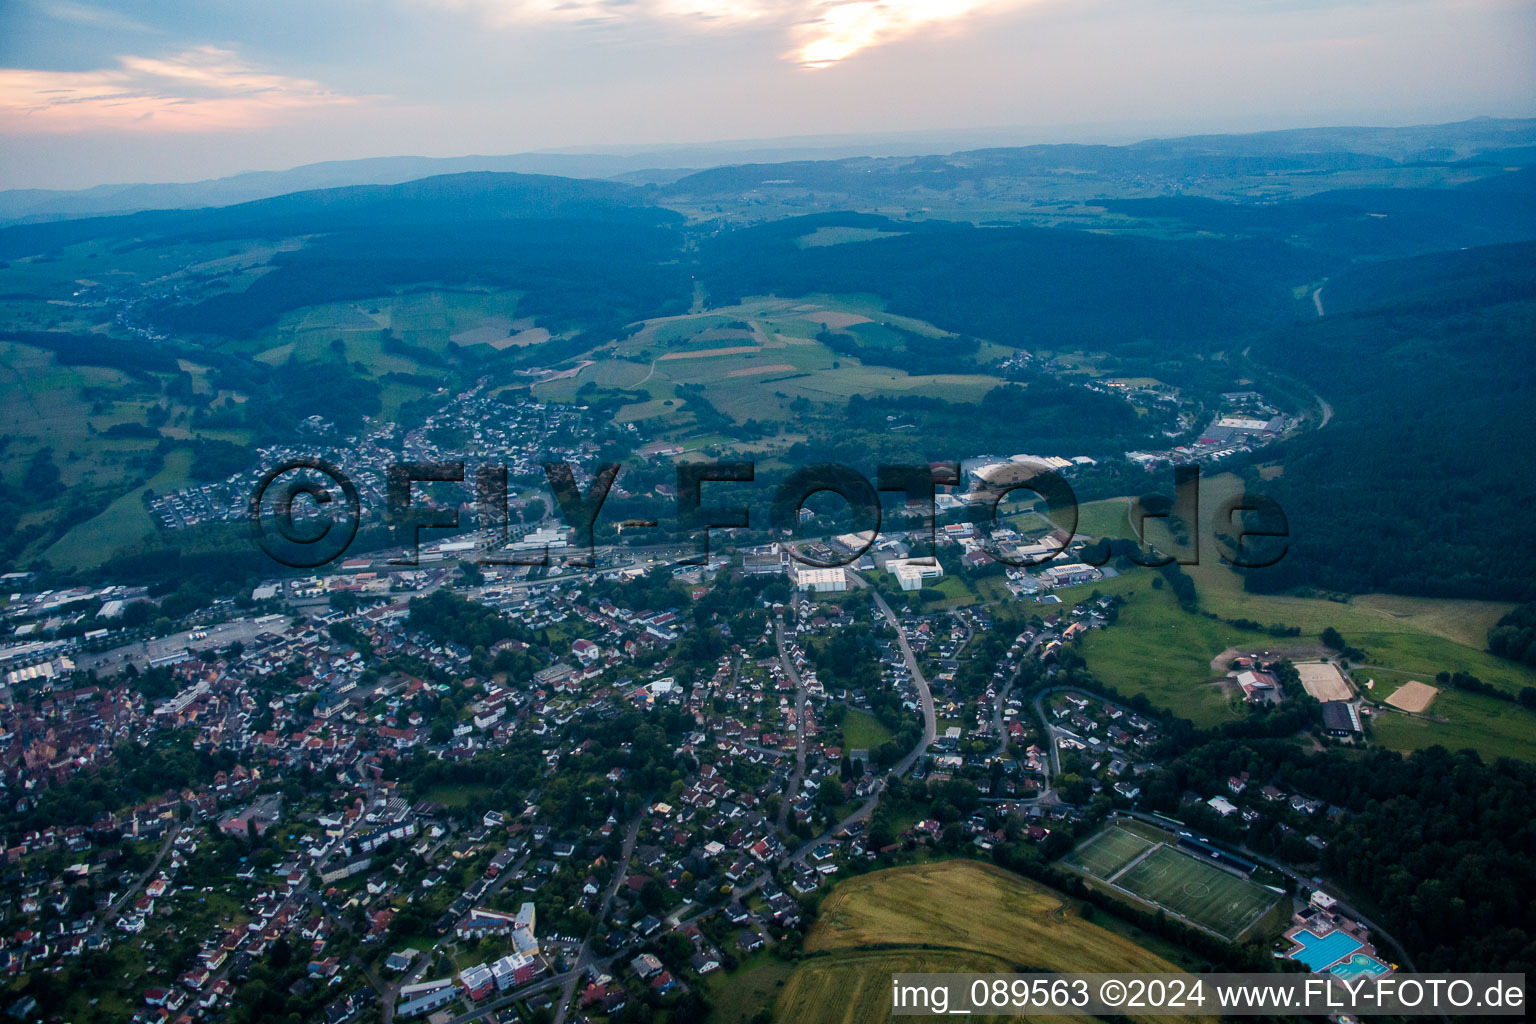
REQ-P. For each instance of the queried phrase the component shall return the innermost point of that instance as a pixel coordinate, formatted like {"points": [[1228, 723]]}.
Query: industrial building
{"points": [[425, 997], [821, 581], [910, 572]]}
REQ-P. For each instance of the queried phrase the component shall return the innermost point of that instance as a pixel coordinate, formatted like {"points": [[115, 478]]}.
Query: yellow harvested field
{"points": [[835, 320], [955, 915], [1323, 681], [705, 353], [963, 904], [753, 371], [1413, 696], [855, 987]]}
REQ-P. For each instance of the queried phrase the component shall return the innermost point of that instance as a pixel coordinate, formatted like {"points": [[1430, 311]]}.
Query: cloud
{"points": [[197, 90], [842, 29], [699, 14], [93, 17], [824, 32]]}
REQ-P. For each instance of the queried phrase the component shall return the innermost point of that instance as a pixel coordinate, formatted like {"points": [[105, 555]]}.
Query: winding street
{"points": [[584, 958], [793, 674], [133, 890], [1002, 699], [902, 767], [924, 694]]}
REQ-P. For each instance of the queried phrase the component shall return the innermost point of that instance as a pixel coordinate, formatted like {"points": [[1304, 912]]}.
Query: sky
{"points": [[97, 91]]}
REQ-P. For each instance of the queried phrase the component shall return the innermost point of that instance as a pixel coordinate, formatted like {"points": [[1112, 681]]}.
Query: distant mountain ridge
{"points": [[20, 205], [482, 197], [1502, 141]]}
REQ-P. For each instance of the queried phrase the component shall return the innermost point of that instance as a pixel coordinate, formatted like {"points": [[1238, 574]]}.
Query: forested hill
{"points": [[1363, 223], [589, 255], [1431, 370], [1190, 160], [1059, 289]]}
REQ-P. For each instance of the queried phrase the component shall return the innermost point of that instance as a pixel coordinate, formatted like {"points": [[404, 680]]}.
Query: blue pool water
{"points": [[1357, 965], [1318, 951]]}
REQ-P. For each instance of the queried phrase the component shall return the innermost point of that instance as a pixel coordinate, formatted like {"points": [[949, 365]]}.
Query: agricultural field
{"points": [[122, 523], [109, 434], [435, 319], [404, 342], [754, 361], [1456, 720], [1103, 518], [737, 996], [843, 235], [855, 987], [946, 916], [46, 405]]}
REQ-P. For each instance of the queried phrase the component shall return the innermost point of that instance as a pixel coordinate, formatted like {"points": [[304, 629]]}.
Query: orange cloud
{"points": [[200, 90]]}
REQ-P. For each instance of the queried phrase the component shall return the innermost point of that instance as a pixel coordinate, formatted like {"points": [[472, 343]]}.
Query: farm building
{"points": [[1340, 718]]}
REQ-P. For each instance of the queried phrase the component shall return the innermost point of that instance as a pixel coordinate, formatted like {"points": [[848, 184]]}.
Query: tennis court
{"points": [[1199, 892], [1108, 852]]}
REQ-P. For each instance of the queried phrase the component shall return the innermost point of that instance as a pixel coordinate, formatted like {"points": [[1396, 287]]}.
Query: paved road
{"points": [[1053, 762], [1002, 697], [788, 665], [584, 958], [902, 767], [924, 694], [568, 979], [126, 899]]}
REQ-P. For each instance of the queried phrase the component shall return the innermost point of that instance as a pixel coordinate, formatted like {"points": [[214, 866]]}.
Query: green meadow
{"points": [[863, 731], [1166, 652], [755, 361]]}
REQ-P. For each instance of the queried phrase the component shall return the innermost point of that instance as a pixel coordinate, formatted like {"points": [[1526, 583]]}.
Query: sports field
{"points": [[1108, 852], [1199, 892], [1143, 862], [1323, 680]]}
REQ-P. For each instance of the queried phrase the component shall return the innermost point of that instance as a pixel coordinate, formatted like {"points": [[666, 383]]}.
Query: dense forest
{"points": [[1436, 370], [1375, 223], [1514, 635], [1023, 286], [1440, 847], [1044, 416], [587, 274]]}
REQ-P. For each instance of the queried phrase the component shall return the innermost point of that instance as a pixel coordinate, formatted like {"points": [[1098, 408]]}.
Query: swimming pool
{"points": [[1358, 965], [1318, 951]]}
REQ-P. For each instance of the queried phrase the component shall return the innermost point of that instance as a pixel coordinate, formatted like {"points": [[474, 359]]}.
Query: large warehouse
{"points": [[822, 581]]}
